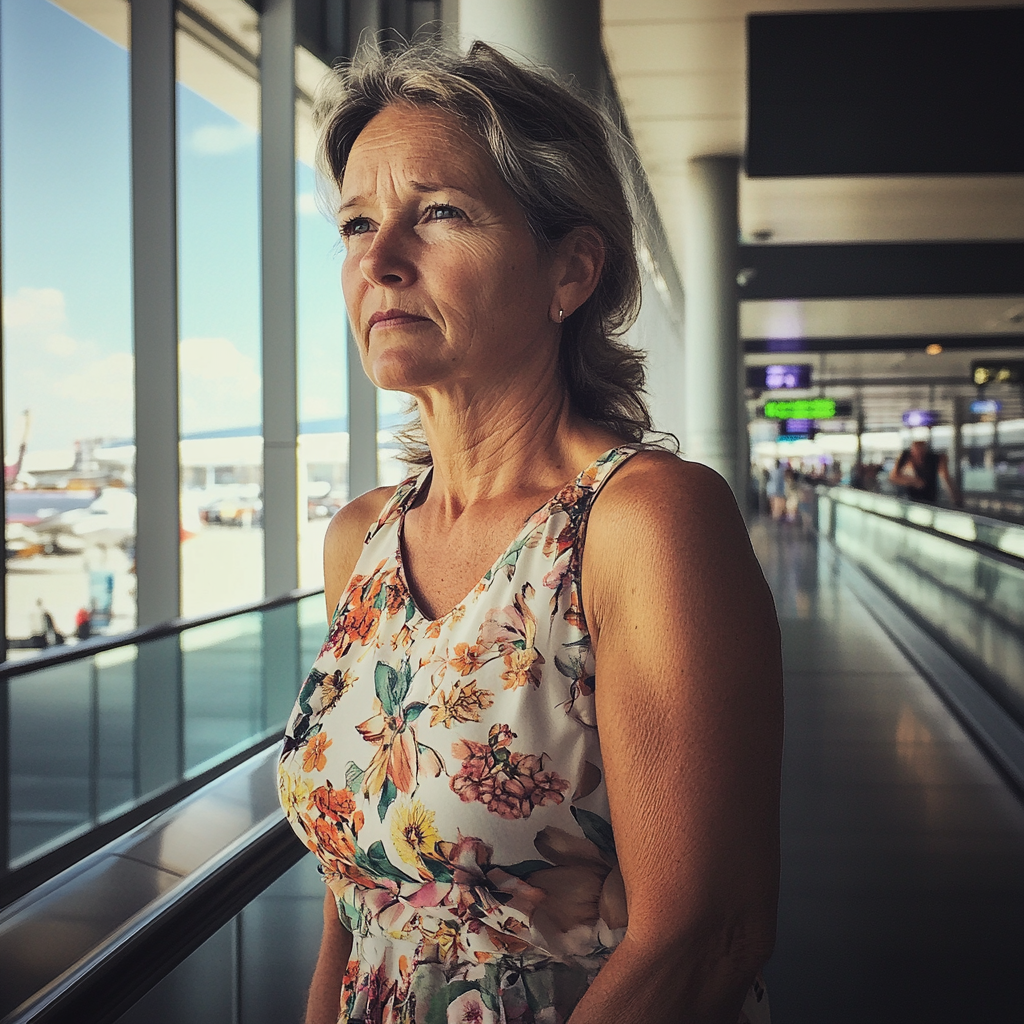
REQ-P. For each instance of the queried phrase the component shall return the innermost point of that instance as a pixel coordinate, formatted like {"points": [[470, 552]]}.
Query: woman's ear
{"points": [[578, 264]]}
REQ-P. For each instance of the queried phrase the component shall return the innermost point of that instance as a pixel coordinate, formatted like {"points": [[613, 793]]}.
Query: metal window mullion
{"points": [[278, 260], [155, 310]]}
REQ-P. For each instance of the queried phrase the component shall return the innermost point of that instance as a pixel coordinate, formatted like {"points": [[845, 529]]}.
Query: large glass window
{"points": [[218, 101], [67, 313], [322, 327]]}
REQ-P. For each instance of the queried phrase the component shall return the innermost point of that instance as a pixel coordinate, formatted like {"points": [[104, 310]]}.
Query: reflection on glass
{"points": [[322, 368], [72, 751], [220, 677], [219, 288], [67, 345], [91, 738]]}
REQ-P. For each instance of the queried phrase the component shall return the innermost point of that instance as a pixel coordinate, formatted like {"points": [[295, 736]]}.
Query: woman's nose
{"points": [[386, 261]]}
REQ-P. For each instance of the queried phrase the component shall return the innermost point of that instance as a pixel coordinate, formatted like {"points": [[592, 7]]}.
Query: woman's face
{"points": [[444, 283]]}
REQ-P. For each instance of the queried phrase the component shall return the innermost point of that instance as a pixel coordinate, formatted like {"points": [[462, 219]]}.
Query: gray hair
{"points": [[557, 155]]}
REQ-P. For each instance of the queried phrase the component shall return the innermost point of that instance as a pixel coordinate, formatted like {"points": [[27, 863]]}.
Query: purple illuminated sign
{"points": [[779, 376], [920, 418]]}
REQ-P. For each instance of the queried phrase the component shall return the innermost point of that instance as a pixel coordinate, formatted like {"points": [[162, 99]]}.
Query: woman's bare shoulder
{"points": [[344, 540], [659, 489], [662, 518]]}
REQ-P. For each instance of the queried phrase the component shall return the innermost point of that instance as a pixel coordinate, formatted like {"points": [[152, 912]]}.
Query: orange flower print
{"points": [[315, 759], [518, 668], [463, 703], [467, 659], [395, 765], [434, 629], [337, 804]]}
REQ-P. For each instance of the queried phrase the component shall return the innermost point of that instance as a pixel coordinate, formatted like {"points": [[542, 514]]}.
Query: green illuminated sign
{"points": [[801, 409]]}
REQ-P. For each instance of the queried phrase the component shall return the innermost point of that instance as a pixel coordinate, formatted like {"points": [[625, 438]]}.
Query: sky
{"points": [[66, 236]]}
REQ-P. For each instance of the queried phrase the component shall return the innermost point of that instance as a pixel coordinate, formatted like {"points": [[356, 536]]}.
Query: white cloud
{"points": [[306, 204], [35, 309], [220, 386], [219, 139]]}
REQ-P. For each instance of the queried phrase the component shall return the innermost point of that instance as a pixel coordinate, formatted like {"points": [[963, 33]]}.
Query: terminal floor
{"points": [[902, 847]]}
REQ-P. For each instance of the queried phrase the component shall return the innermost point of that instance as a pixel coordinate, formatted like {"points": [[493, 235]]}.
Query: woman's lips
{"points": [[394, 318]]}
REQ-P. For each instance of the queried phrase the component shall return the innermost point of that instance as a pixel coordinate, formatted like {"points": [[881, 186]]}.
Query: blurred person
{"points": [[776, 490], [791, 493], [918, 469], [538, 755], [83, 624]]}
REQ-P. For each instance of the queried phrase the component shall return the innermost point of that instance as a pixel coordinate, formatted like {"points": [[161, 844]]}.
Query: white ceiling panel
{"points": [[677, 46], [883, 209], [840, 318]]}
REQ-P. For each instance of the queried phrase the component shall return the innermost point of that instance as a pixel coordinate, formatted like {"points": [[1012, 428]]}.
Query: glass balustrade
{"points": [[93, 737]]}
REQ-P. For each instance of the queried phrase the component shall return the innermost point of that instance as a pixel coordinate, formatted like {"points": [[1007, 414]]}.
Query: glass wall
{"points": [[218, 99], [67, 315], [322, 341]]}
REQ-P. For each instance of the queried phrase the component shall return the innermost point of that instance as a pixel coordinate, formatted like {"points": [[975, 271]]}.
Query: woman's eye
{"points": [[355, 226], [442, 211]]}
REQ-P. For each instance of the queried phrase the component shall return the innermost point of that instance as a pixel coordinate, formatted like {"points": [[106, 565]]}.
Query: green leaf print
{"points": [[387, 797], [353, 776], [413, 711], [385, 681], [410, 610], [375, 861], [597, 830], [439, 871], [313, 680]]}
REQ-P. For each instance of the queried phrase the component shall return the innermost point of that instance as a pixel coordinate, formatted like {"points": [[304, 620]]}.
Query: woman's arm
{"points": [[689, 707], [324, 1004], [342, 544]]}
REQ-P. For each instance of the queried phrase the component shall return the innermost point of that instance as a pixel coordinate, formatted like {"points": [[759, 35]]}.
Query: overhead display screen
{"points": [[779, 376], [801, 409], [886, 92]]}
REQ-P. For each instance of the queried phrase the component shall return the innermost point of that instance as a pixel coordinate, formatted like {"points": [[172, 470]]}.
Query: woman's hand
{"points": [[689, 707], [324, 1004]]}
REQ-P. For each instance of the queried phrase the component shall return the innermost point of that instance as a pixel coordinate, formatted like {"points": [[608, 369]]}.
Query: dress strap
{"points": [[399, 502]]}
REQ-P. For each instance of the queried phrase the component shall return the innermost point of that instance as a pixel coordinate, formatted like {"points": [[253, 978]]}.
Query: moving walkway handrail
{"points": [[999, 538], [111, 977], [16, 881], [86, 648]]}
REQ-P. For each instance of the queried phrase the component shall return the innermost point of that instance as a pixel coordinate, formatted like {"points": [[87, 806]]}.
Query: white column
{"points": [[280, 384], [158, 706], [155, 300], [564, 35], [362, 425], [713, 385]]}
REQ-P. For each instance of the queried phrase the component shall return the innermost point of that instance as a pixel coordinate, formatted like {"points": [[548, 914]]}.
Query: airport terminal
{"points": [[829, 208]]}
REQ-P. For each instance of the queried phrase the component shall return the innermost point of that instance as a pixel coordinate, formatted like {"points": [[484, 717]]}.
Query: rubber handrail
{"points": [[87, 648]]}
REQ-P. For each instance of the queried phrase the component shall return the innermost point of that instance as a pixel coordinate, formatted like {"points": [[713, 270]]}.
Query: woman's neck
{"points": [[486, 445]]}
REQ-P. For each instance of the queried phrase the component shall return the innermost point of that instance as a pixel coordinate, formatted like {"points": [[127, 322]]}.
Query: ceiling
{"points": [[680, 69]]}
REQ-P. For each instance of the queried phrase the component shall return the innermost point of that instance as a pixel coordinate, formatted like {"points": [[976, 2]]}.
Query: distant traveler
{"points": [[776, 488], [549, 703], [918, 470]]}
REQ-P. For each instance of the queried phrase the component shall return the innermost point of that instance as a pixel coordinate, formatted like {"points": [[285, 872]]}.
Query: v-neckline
{"points": [[529, 524]]}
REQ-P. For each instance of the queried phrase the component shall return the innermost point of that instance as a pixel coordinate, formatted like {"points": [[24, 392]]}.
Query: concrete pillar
{"points": [[362, 425], [712, 380], [280, 355], [155, 302], [564, 35]]}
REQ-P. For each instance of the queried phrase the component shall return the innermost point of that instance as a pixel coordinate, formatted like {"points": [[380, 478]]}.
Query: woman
{"points": [[541, 776]]}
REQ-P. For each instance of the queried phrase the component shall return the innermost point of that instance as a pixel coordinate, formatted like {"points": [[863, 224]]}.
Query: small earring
{"points": [[561, 316]]}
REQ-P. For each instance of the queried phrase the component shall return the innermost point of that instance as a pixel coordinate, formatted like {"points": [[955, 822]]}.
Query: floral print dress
{"points": [[447, 774]]}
